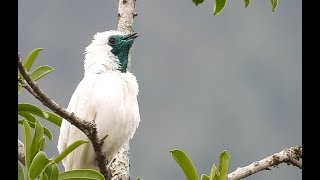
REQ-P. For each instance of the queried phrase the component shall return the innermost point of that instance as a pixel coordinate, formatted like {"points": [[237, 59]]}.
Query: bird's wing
{"points": [[117, 110], [133, 108], [135, 115], [82, 107]]}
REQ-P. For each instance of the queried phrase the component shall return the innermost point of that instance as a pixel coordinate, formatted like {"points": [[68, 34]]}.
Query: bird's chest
{"points": [[114, 106]]}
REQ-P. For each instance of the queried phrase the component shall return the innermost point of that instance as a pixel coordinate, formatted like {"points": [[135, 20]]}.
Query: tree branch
{"points": [[120, 165], [289, 155], [25, 85], [88, 128], [21, 155]]}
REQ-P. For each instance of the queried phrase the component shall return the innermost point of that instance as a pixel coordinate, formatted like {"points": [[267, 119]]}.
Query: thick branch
{"points": [[125, 15], [21, 155], [89, 128], [289, 155]]}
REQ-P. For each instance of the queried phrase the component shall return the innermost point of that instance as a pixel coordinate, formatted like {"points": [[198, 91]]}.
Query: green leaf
{"points": [[81, 174], [26, 110], [213, 172], [20, 171], [205, 177], [31, 58], [28, 116], [31, 109], [43, 176], [53, 118], [218, 6], [224, 165], [274, 4], [185, 163], [247, 3], [40, 72], [217, 176], [46, 131], [27, 143], [197, 2], [38, 165], [38, 135], [68, 150], [42, 144], [52, 171]]}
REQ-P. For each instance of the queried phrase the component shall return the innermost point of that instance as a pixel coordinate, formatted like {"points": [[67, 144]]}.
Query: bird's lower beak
{"points": [[131, 36]]}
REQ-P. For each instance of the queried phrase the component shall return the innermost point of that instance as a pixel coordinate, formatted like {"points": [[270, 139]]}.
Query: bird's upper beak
{"points": [[131, 36]]}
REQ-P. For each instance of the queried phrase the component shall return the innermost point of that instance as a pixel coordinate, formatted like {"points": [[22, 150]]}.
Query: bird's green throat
{"points": [[120, 47]]}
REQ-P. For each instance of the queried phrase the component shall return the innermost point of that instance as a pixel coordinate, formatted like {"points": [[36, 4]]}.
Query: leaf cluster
{"points": [[190, 171], [219, 5]]}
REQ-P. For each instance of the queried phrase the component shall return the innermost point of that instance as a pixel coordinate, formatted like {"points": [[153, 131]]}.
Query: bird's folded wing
{"points": [[81, 106]]}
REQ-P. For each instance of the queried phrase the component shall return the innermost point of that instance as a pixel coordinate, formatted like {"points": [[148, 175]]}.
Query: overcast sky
{"points": [[207, 83]]}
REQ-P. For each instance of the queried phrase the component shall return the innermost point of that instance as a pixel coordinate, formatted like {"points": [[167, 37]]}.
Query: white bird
{"points": [[106, 95]]}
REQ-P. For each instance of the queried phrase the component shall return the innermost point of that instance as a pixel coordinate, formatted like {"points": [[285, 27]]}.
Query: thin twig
{"points": [[88, 128], [289, 155]]}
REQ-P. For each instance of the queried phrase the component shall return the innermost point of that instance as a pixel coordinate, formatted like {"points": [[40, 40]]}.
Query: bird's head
{"points": [[108, 51]]}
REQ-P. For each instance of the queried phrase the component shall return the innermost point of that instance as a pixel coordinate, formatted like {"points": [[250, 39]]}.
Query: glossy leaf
{"points": [[38, 165], [31, 58], [20, 171], [40, 72], [26, 110], [274, 4], [29, 108], [42, 144], [197, 2], [27, 143], [185, 163], [217, 176], [205, 177], [224, 165], [218, 6], [247, 3], [53, 118], [28, 116], [52, 171], [81, 174], [46, 131], [43, 176], [38, 135], [68, 150], [213, 172]]}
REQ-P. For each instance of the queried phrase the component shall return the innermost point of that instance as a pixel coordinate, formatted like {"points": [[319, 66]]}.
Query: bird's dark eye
{"points": [[112, 41]]}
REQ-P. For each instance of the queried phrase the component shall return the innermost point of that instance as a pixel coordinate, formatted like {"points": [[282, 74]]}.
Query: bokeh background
{"points": [[207, 83]]}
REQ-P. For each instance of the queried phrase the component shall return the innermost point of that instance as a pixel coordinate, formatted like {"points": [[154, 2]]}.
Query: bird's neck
{"points": [[96, 63], [123, 59]]}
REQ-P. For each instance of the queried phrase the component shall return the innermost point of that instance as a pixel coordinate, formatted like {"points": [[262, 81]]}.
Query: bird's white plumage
{"points": [[106, 96]]}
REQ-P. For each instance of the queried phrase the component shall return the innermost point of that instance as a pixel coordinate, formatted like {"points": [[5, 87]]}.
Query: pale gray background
{"points": [[207, 83]]}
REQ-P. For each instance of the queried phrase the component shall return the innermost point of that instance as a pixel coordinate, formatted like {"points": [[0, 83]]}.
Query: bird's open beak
{"points": [[131, 36]]}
